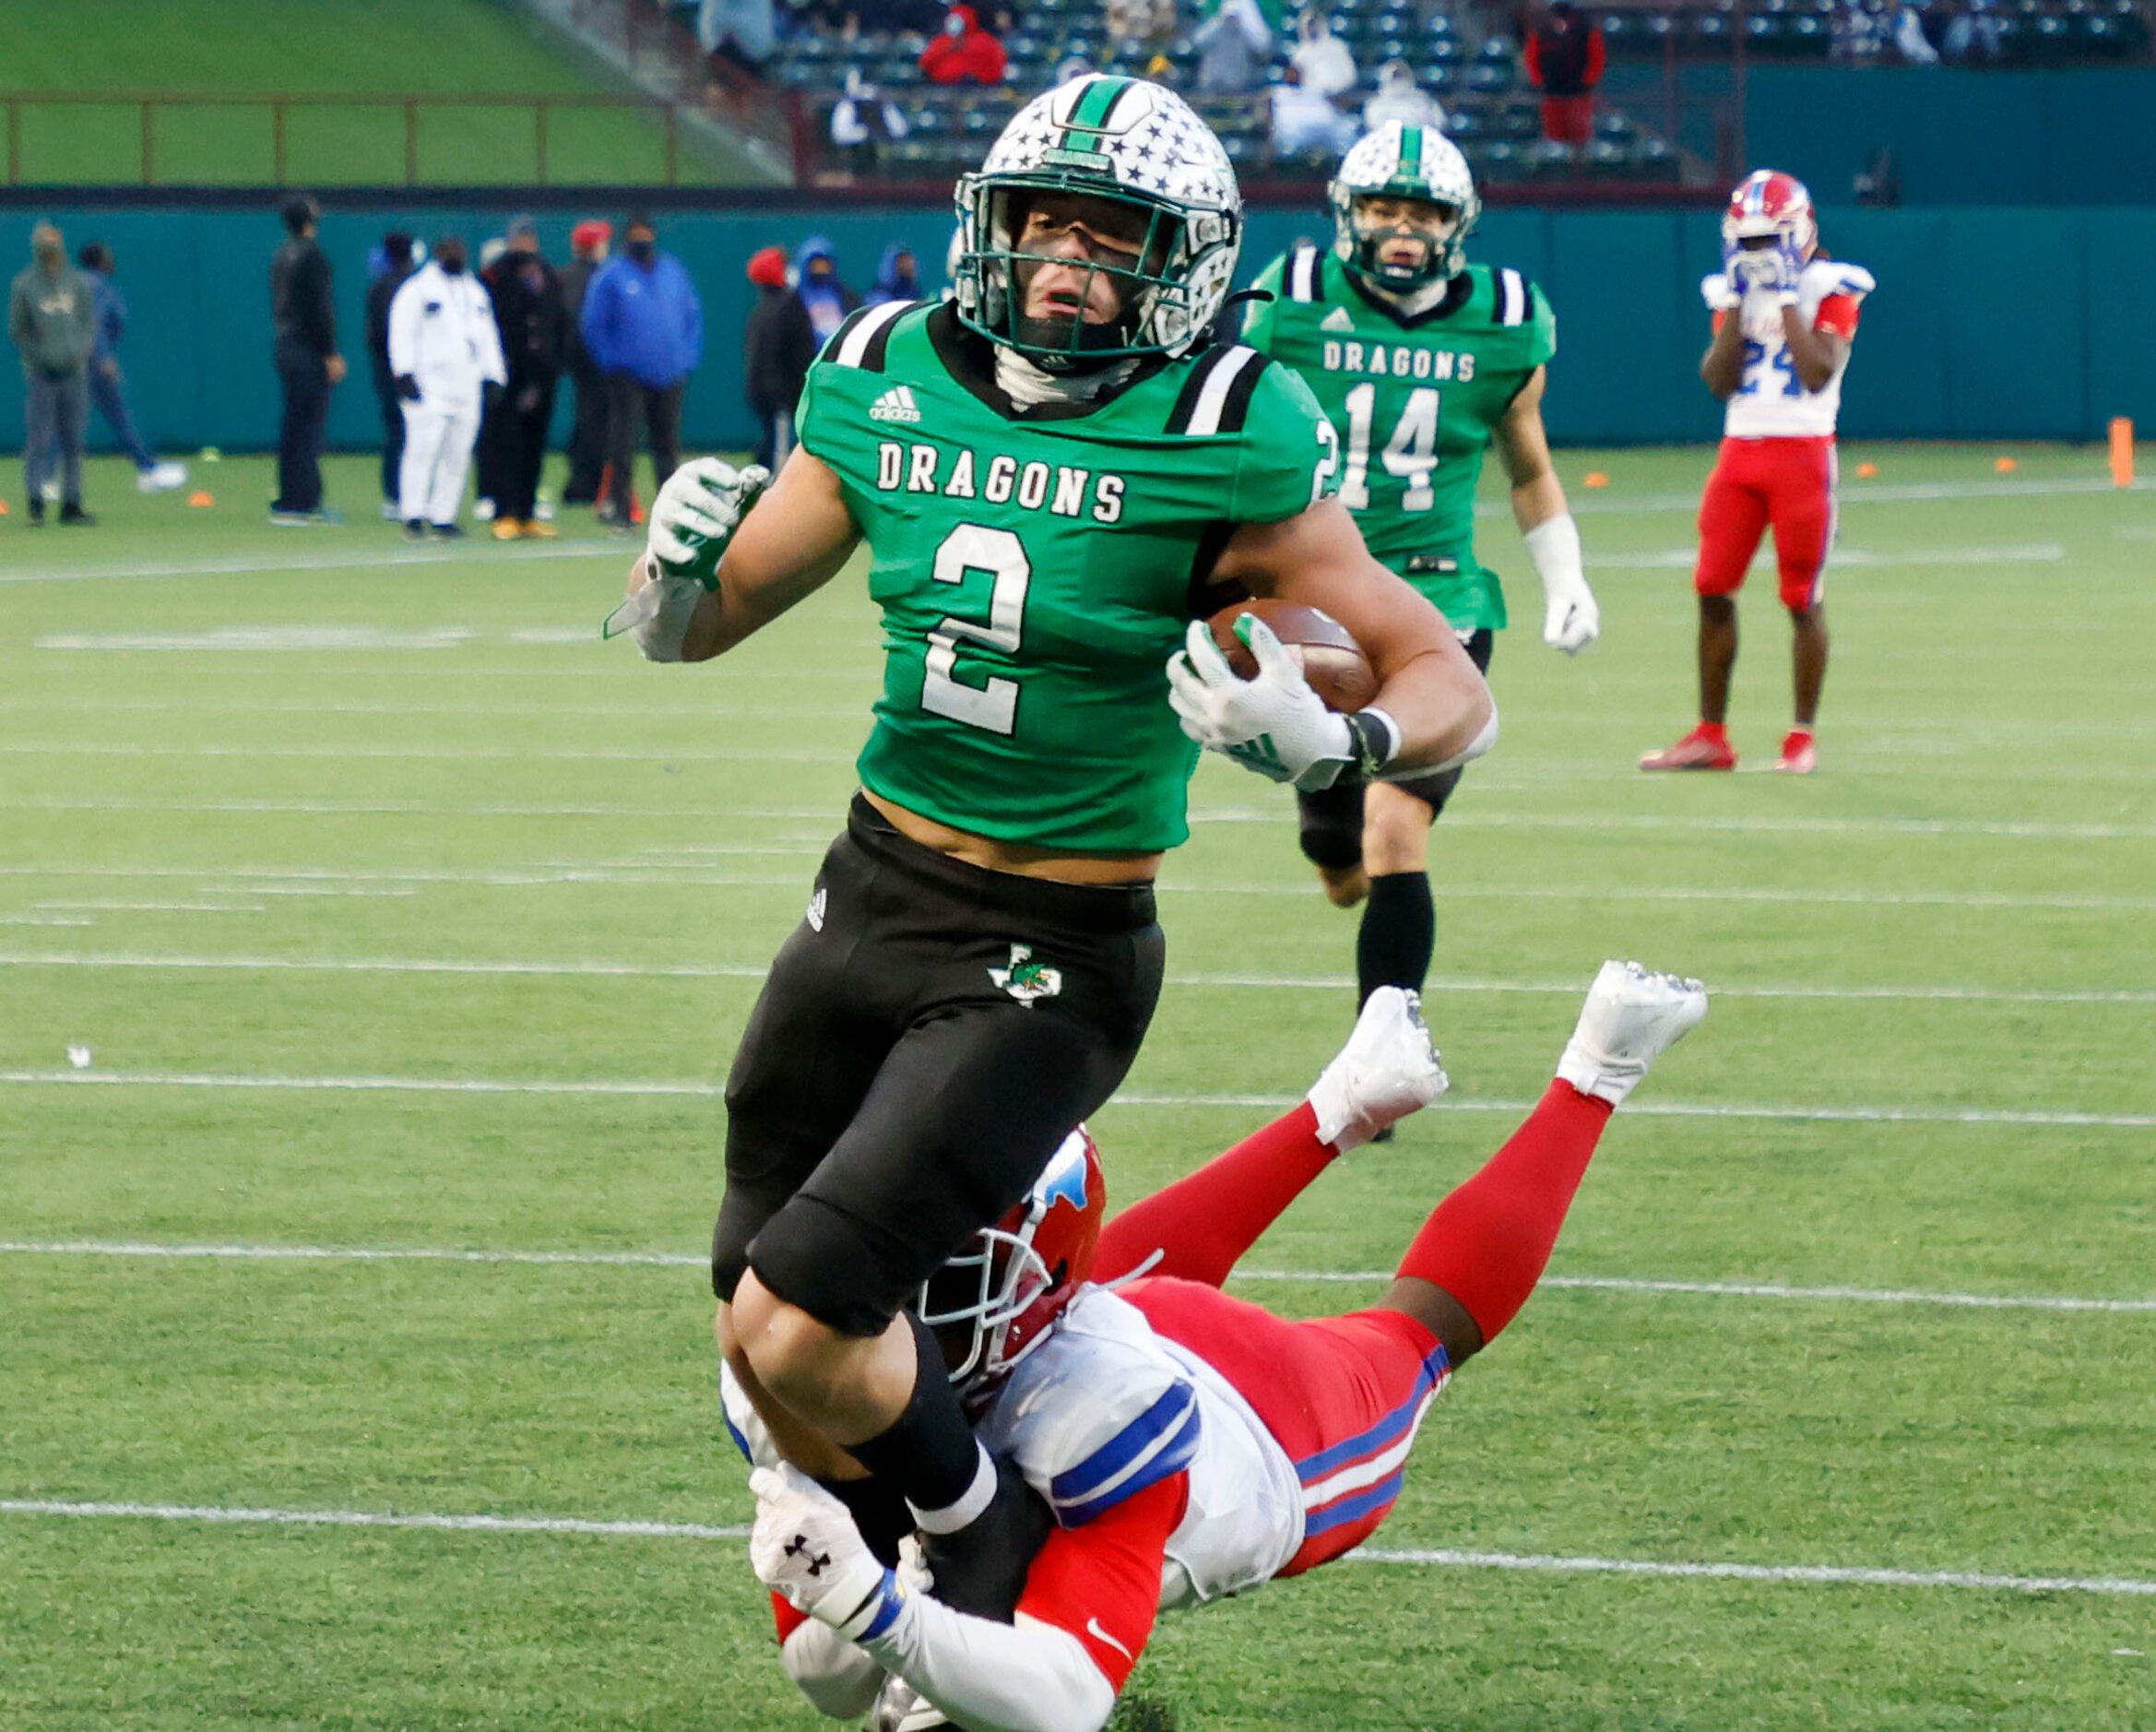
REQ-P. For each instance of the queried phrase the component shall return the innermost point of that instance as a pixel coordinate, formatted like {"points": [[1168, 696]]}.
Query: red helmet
{"points": [[1768, 202], [1010, 1280]]}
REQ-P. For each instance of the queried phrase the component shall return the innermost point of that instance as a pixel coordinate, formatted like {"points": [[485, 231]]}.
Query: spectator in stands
{"points": [[645, 328], [1234, 47], [777, 346], [533, 318], [962, 51], [1152, 22], [1305, 120], [816, 281], [396, 264], [1400, 98], [1565, 56], [863, 121], [1910, 39], [1072, 67], [898, 275], [1973, 30], [51, 325], [588, 242], [1326, 65], [308, 366], [739, 34], [445, 350], [108, 386]]}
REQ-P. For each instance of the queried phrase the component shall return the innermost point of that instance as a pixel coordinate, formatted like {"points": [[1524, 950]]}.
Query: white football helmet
{"points": [[1768, 205], [1403, 162], [1108, 137]]}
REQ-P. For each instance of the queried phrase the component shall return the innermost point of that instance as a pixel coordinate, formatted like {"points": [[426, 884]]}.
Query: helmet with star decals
{"points": [[1128, 203], [1393, 166]]}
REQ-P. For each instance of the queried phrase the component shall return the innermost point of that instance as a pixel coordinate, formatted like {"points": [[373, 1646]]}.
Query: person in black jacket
{"points": [[308, 366], [534, 320], [589, 244], [397, 265], [778, 344]]}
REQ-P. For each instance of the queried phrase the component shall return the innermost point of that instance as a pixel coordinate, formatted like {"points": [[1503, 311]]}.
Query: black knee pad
{"points": [[844, 1273], [1332, 826]]}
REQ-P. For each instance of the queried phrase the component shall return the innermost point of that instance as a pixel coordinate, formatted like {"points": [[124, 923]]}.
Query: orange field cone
{"points": [[1595, 478], [2, 508], [1864, 471], [2122, 451], [2005, 466], [199, 499]]}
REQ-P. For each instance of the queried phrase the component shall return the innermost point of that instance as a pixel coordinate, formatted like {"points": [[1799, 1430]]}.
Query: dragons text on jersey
{"points": [[1414, 399], [1036, 568]]}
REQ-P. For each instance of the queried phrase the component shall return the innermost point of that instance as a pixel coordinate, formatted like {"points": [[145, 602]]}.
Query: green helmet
{"points": [[1107, 137], [1403, 162]]}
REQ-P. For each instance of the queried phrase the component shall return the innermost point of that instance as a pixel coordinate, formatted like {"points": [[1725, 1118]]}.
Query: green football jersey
{"points": [[1036, 568], [1415, 400]]}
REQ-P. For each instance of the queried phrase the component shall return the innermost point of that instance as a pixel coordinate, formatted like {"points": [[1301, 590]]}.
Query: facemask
{"points": [[641, 251]]}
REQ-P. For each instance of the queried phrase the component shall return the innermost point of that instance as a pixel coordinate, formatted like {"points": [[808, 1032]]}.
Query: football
{"points": [[1332, 661]]}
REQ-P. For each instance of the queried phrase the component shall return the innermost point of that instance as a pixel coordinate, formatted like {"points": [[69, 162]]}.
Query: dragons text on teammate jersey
{"points": [[1036, 568], [1415, 400]]}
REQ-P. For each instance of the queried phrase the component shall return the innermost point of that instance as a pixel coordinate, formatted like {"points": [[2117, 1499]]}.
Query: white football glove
{"points": [[1571, 617], [806, 1547], [695, 515], [1724, 292], [1272, 723]]}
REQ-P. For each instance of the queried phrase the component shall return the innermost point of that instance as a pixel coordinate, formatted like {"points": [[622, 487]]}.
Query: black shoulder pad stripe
{"points": [[832, 343], [1237, 409], [872, 356], [1179, 421]]}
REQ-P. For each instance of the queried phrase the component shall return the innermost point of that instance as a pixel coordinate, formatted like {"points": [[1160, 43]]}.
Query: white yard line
{"points": [[1685, 558], [342, 559], [1852, 495], [1808, 1575], [56, 750], [633, 1087], [683, 1260], [154, 908], [1200, 980]]}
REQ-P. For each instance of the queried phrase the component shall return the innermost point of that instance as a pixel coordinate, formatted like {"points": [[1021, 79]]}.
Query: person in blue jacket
{"points": [[108, 385], [898, 277], [645, 330], [816, 281]]}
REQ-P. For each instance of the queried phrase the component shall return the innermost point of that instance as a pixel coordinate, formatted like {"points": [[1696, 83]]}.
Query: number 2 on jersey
{"points": [[993, 705], [1409, 455], [1757, 365]]}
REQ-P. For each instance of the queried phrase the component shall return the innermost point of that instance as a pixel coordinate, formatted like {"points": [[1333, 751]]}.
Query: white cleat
{"points": [[160, 478], [1387, 1070], [1632, 1016]]}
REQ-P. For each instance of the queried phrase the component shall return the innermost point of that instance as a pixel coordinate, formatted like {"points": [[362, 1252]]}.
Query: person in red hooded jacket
{"points": [[963, 53]]}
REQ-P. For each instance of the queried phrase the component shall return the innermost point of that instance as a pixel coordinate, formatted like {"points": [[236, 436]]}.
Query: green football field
{"points": [[354, 1354]]}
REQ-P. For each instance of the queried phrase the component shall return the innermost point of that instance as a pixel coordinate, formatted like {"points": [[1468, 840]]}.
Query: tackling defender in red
{"points": [[1188, 1444], [1783, 319]]}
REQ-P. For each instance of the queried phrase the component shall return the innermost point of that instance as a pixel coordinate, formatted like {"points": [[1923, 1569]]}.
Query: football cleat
{"points": [[1632, 1016], [160, 478], [1387, 1070], [901, 1708], [1696, 751], [1799, 755], [507, 528]]}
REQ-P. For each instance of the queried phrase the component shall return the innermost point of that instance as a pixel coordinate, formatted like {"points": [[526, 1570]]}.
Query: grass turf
{"points": [[459, 780], [440, 49]]}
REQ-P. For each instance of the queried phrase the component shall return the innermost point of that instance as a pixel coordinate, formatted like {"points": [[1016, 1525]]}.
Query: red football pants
{"points": [[1786, 482]]}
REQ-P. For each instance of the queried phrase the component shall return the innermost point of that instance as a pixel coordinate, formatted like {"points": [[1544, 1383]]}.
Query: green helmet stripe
{"points": [[1411, 151], [1092, 113]]}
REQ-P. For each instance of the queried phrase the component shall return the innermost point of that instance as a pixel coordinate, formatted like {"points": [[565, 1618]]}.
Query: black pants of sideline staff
{"points": [[634, 407], [392, 408], [305, 379]]}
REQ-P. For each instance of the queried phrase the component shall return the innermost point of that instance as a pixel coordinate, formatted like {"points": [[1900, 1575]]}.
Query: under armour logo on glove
{"points": [[798, 1547]]}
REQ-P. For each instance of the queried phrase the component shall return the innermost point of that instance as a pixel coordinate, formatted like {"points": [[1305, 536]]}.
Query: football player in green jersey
{"points": [[1422, 360], [1046, 470]]}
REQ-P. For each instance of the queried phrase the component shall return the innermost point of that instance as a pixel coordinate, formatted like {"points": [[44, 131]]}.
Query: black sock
{"points": [[878, 1510], [927, 1453], [1399, 931]]}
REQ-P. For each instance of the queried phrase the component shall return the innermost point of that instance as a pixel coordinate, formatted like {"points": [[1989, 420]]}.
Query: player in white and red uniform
{"points": [[1784, 318], [1189, 1444]]}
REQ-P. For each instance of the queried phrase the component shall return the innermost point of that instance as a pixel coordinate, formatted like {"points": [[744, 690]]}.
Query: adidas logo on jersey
{"points": [[1339, 319], [896, 404]]}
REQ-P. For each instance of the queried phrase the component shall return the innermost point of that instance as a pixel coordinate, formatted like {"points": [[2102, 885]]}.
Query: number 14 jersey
{"points": [[1036, 567]]}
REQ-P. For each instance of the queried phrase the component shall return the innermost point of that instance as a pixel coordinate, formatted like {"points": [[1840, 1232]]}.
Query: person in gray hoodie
{"points": [[49, 323]]}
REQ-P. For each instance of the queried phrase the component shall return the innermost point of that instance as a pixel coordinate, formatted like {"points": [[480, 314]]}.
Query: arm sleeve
{"points": [[692, 317], [839, 1680], [1544, 348], [1258, 322], [403, 319], [1837, 314], [492, 363], [322, 302], [591, 322]]}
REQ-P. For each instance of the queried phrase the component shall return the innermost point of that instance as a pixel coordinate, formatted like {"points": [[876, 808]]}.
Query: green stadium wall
{"points": [[2026, 322]]}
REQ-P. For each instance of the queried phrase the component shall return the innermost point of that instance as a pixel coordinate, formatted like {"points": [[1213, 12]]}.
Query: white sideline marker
{"points": [[682, 1260], [637, 1087], [1812, 1575]]}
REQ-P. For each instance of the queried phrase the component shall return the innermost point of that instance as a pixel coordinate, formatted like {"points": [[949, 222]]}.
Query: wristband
{"points": [[1374, 738]]}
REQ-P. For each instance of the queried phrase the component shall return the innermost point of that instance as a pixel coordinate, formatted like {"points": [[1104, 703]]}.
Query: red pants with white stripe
{"points": [[1342, 1395], [1786, 482]]}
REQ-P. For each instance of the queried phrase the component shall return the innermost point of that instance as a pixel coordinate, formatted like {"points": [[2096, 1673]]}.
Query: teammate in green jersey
{"points": [[1422, 360], [1046, 471]]}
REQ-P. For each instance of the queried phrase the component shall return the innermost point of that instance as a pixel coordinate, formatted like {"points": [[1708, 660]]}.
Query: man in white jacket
{"points": [[443, 348]]}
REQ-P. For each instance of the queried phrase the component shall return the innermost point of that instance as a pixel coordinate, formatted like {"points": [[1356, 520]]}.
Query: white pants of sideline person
{"points": [[437, 451]]}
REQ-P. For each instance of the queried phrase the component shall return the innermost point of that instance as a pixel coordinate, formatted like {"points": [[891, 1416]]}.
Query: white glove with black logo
{"points": [[1273, 723]]}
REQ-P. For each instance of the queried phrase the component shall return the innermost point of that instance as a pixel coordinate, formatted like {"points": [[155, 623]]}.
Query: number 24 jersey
{"points": [[1036, 568]]}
